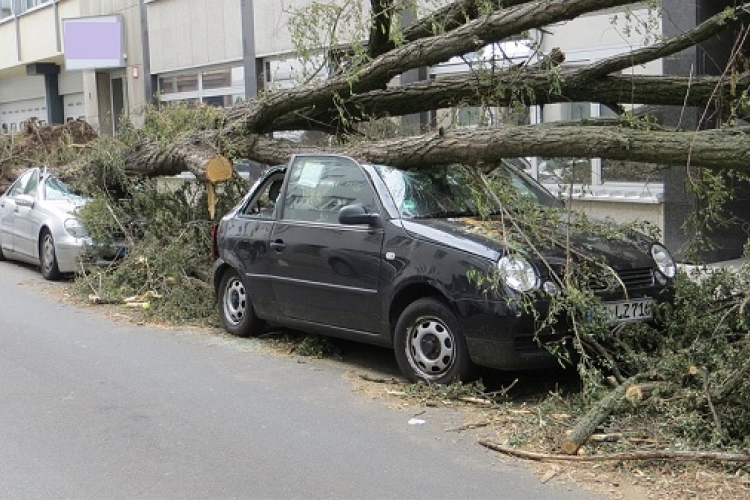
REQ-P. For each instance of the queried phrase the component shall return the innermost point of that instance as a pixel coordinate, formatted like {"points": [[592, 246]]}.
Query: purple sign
{"points": [[93, 42]]}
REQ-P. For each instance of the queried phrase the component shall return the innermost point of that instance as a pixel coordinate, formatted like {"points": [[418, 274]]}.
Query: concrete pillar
{"points": [[54, 101]]}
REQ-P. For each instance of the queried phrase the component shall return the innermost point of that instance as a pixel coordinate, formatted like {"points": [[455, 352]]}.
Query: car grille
{"points": [[631, 278]]}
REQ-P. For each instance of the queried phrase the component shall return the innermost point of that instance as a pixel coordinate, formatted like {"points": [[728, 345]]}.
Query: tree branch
{"points": [[682, 456], [707, 29]]}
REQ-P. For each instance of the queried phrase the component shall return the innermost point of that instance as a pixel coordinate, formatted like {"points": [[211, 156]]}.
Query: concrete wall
{"points": [[193, 33], [623, 212], [40, 37]]}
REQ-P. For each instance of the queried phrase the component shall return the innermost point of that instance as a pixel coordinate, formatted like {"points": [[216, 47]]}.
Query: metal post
{"points": [[248, 49], [148, 87]]}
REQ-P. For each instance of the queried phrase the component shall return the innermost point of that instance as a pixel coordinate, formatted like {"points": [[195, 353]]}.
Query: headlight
{"points": [[664, 260], [75, 228], [518, 273]]}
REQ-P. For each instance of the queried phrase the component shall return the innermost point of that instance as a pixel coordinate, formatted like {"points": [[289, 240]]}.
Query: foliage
{"points": [[307, 344], [164, 223]]}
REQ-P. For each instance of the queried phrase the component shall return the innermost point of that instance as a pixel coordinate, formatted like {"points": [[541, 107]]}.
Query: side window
{"points": [[20, 186], [320, 186], [30, 188], [263, 206]]}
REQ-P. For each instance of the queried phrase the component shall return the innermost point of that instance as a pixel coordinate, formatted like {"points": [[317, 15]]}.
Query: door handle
{"points": [[278, 245]]}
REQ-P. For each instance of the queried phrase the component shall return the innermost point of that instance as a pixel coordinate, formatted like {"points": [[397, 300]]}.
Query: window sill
{"points": [[651, 194]]}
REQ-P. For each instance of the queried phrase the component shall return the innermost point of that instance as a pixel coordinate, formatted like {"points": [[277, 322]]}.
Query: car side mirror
{"points": [[358, 214], [24, 200]]}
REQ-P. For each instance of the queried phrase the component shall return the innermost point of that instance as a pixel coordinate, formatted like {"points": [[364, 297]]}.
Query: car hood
{"points": [[485, 238], [63, 208]]}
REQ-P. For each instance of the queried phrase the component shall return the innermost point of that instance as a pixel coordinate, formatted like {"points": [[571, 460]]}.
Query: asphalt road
{"points": [[96, 408]]}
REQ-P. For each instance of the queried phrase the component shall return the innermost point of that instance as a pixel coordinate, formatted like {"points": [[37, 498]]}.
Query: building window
{"points": [[6, 9], [187, 82], [22, 6], [221, 87]]}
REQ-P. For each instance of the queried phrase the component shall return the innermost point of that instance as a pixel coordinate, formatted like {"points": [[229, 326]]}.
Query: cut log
{"points": [[587, 425], [196, 154]]}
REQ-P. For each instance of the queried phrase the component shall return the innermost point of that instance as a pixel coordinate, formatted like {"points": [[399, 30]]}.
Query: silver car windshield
{"points": [[455, 191], [54, 189]]}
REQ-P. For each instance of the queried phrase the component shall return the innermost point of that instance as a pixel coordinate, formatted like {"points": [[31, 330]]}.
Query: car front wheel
{"points": [[236, 308], [430, 345], [48, 257]]}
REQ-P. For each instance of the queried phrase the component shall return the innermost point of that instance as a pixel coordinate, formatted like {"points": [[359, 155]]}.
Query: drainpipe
{"points": [[248, 49], [148, 81]]}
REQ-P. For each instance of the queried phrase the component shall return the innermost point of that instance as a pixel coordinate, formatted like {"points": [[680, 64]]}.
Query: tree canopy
{"points": [[367, 88]]}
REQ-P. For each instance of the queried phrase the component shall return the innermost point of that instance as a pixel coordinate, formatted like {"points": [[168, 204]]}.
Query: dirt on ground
{"points": [[529, 425]]}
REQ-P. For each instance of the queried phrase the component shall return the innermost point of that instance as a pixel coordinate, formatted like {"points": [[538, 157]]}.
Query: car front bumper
{"points": [[504, 337]]}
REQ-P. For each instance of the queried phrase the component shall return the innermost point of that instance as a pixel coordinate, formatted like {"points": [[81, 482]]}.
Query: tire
{"points": [[2, 255], [48, 257], [236, 308], [430, 345]]}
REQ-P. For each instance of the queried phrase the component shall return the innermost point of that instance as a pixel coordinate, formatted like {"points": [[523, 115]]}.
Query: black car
{"points": [[391, 257]]}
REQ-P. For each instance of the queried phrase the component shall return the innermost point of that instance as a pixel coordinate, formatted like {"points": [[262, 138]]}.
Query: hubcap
{"points": [[430, 347], [235, 301], [48, 252]]}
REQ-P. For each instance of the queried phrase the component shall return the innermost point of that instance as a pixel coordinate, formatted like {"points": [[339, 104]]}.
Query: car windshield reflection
{"points": [[54, 189], [456, 191]]}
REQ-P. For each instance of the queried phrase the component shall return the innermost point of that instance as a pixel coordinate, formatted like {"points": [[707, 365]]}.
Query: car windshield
{"points": [[454, 191], [54, 189]]}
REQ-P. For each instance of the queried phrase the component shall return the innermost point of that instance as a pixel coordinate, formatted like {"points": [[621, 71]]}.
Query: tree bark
{"points": [[682, 456], [494, 27], [456, 91], [195, 155], [365, 95], [587, 425]]}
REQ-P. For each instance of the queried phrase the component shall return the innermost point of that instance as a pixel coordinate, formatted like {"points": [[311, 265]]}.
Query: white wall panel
{"points": [[193, 33], [21, 88], [13, 114], [71, 82]]}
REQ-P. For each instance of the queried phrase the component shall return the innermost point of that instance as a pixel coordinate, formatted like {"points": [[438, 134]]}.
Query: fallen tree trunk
{"points": [[483, 146], [682, 456], [196, 154], [448, 92]]}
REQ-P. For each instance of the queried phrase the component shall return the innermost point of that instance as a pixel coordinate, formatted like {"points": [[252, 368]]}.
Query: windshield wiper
{"points": [[446, 215]]}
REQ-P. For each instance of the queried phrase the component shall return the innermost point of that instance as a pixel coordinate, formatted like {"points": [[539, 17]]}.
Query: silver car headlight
{"points": [[74, 228], [664, 260], [518, 273]]}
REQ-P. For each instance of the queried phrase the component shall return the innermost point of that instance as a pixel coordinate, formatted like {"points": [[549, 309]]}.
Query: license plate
{"points": [[630, 310]]}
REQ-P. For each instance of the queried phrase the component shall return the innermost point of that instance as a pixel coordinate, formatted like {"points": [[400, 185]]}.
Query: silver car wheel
{"points": [[48, 253], [235, 301], [430, 347]]}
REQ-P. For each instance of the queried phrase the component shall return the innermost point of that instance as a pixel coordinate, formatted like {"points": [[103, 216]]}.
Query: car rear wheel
{"points": [[236, 308], [48, 257], [430, 345]]}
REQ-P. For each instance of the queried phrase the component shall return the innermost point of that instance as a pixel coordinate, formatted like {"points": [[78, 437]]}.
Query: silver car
{"points": [[38, 224]]}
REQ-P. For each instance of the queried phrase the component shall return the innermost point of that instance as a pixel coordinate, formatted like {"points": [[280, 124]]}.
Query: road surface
{"points": [[96, 408]]}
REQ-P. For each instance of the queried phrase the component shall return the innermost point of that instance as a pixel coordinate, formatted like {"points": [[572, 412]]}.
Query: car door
{"points": [[25, 235], [9, 211], [322, 271], [247, 237]]}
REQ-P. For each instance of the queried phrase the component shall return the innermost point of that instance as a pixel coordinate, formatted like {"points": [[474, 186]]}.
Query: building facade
{"points": [[220, 52]]}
